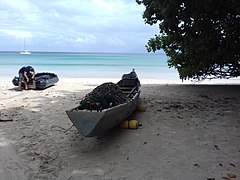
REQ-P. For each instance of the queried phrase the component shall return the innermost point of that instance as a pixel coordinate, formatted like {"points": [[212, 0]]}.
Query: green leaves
{"points": [[201, 38]]}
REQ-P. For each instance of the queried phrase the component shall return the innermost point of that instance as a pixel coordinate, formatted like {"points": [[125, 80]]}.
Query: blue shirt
{"points": [[25, 69]]}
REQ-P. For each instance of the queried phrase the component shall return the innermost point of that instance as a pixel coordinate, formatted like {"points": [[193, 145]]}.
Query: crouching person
{"points": [[25, 75]]}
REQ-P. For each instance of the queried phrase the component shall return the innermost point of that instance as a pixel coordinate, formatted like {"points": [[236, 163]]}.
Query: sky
{"points": [[74, 26]]}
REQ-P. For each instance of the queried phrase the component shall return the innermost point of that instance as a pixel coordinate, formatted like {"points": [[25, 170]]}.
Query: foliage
{"points": [[201, 38]]}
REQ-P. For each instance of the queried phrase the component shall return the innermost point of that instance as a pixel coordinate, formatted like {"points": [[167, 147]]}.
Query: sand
{"points": [[188, 132]]}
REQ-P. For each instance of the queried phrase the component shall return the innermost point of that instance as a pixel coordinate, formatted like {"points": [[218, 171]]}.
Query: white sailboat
{"points": [[25, 51]]}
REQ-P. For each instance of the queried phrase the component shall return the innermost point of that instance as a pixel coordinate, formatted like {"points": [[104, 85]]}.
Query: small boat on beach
{"points": [[41, 81], [106, 106]]}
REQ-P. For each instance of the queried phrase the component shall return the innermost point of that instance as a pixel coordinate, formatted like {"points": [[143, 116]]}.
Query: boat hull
{"points": [[25, 52], [96, 123], [41, 81]]}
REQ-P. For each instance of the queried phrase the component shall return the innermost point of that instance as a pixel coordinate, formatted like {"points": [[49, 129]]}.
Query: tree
{"points": [[200, 37]]}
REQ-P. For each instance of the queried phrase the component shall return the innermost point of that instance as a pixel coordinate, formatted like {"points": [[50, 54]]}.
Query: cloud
{"points": [[85, 23], [17, 33], [90, 39]]}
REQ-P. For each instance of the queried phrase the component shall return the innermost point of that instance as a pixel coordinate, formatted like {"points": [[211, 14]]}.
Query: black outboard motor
{"points": [[130, 79]]}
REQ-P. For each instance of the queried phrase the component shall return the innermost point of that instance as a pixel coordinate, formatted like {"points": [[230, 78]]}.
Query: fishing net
{"points": [[104, 96]]}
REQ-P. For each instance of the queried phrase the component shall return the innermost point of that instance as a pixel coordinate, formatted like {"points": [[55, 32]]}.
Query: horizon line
{"points": [[76, 52]]}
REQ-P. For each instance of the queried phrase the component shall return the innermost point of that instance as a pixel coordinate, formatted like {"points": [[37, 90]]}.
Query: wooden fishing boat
{"points": [[41, 81], [92, 120]]}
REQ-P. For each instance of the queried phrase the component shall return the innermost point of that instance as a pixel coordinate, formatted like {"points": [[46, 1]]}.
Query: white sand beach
{"points": [[188, 132]]}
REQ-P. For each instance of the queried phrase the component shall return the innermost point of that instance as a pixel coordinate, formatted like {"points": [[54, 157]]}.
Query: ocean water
{"points": [[89, 65]]}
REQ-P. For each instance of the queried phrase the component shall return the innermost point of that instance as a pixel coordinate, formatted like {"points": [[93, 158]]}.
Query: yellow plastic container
{"points": [[131, 124]]}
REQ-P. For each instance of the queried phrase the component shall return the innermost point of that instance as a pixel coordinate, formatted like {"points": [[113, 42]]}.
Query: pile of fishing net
{"points": [[104, 96]]}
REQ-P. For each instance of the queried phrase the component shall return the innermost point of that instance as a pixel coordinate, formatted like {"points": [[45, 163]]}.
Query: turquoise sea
{"points": [[89, 65]]}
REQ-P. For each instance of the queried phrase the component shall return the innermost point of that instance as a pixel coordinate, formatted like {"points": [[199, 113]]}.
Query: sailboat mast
{"points": [[24, 51], [24, 44]]}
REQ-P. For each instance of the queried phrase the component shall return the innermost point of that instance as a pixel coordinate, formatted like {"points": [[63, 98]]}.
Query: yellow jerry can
{"points": [[131, 124]]}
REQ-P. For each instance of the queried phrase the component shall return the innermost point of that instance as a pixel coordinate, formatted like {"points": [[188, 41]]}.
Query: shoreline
{"points": [[96, 81]]}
